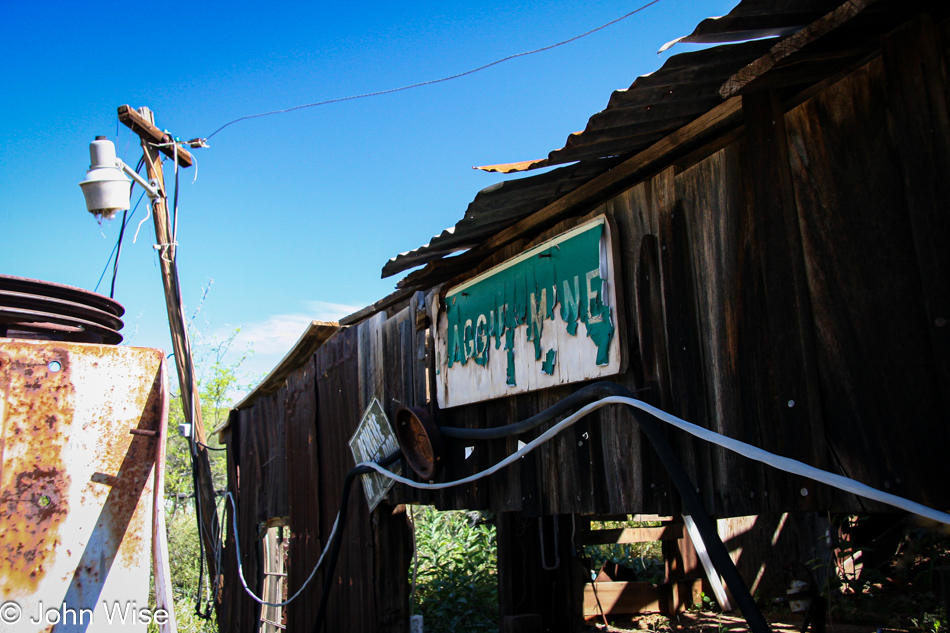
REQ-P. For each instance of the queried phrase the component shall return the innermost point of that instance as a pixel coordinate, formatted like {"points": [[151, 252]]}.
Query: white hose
{"points": [[746, 450]]}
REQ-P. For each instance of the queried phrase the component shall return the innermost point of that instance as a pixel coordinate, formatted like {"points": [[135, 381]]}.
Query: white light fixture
{"points": [[106, 187]]}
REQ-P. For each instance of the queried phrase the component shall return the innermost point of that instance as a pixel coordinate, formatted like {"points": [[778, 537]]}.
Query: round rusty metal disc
{"points": [[37, 309], [419, 440], [70, 328], [23, 301], [61, 291]]}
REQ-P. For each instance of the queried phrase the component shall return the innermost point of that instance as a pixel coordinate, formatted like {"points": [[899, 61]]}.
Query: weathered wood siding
{"points": [[785, 291], [788, 287]]}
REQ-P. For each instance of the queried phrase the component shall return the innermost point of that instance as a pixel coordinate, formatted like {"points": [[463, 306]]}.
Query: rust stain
{"points": [[131, 458], [47, 391], [34, 483]]}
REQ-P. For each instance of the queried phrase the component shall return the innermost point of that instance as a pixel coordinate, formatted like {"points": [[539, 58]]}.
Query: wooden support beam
{"points": [[204, 488], [627, 598], [632, 535], [148, 132], [752, 76]]}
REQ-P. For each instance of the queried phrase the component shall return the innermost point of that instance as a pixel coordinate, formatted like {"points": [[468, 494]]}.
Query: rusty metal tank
{"points": [[81, 430]]}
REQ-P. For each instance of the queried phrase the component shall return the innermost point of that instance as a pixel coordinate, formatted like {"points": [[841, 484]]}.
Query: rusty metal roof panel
{"points": [[656, 104], [683, 89], [753, 19], [497, 207]]}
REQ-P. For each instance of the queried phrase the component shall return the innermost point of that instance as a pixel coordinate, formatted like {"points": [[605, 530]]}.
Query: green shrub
{"points": [[457, 583]]}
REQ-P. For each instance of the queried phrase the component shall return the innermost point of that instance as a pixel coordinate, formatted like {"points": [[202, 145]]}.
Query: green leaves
{"points": [[457, 584]]}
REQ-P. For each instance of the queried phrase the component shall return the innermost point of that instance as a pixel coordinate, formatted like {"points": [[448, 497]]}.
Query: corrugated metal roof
{"points": [[497, 207], [655, 105], [754, 19]]}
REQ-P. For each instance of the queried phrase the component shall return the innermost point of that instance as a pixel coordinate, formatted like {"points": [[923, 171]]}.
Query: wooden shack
{"points": [[780, 260]]}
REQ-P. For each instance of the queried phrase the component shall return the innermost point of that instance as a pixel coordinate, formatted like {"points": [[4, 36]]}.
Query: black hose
{"points": [[338, 536], [648, 423], [694, 505]]}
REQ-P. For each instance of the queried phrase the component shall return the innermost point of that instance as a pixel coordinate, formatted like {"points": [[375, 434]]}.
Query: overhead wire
{"points": [[117, 249], [434, 81]]}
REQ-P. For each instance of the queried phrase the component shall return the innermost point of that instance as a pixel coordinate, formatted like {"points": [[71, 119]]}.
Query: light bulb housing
{"points": [[105, 187]]}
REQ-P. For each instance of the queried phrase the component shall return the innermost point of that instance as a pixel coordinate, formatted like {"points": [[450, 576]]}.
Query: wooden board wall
{"points": [[789, 288], [785, 291]]}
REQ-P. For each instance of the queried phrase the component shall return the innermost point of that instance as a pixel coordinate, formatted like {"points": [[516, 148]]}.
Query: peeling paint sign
{"points": [[544, 318], [373, 440]]}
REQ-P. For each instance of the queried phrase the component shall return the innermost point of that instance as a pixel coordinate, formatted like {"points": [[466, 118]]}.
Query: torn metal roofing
{"points": [[687, 86], [497, 207], [755, 19]]}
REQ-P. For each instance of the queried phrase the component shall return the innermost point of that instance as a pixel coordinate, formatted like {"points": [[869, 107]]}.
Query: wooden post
{"points": [[142, 123]]}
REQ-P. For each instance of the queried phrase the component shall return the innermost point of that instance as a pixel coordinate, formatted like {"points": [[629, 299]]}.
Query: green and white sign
{"points": [[544, 318]]}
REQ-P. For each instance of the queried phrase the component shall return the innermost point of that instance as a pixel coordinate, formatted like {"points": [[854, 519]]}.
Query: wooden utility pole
{"points": [[155, 141]]}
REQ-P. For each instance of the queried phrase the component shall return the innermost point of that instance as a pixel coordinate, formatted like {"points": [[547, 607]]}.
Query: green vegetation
{"points": [[644, 560], [456, 583]]}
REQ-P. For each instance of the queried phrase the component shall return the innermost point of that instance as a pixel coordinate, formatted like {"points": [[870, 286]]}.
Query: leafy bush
{"points": [[457, 583]]}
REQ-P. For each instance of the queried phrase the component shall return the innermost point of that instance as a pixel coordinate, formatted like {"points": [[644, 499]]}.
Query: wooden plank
{"points": [[686, 379], [631, 535], [781, 388], [148, 131], [371, 360], [917, 97], [338, 371], [617, 598], [655, 376], [711, 198], [873, 346], [746, 78], [303, 493], [622, 597]]}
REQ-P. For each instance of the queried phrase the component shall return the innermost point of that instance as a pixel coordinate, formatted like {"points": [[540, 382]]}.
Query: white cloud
{"points": [[279, 332], [274, 337]]}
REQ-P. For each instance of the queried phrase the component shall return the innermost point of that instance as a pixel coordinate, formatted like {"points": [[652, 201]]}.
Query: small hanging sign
{"points": [[374, 439], [544, 318]]}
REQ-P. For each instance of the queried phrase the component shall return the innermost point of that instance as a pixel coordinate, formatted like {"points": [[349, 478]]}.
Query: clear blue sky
{"points": [[291, 215]]}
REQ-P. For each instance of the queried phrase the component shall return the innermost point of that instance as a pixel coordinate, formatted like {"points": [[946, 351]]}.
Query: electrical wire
{"points": [[118, 253], [117, 249], [237, 547], [434, 81], [114, 248]]}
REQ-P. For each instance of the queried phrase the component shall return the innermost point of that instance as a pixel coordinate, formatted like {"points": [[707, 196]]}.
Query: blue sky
{"points": [[292, 216]]}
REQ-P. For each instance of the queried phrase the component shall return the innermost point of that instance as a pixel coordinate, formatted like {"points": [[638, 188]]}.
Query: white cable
{"points": [[148, 214], [746, 450], [237, 546]]}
